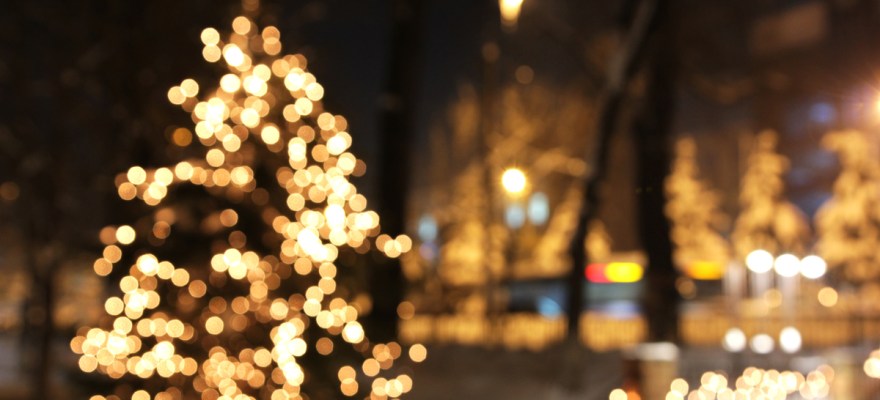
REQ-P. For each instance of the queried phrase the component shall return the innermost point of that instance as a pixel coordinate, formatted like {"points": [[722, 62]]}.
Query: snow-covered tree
{"points": [[233, 285], [468, 254], [848, 225], [766, 219], [693, 210]]}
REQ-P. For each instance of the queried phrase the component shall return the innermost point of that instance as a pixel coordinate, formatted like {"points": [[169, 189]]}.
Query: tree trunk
{"points": [[652, 136], [386, 281], [620, 73]]}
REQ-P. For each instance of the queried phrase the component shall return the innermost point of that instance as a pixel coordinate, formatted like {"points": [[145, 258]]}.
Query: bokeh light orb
{"points": [[787, 265], [827, 296], [734, 340], [762, 343], [759, 261], [813, 267], [790, 339], [513, 180], [872, 365]]}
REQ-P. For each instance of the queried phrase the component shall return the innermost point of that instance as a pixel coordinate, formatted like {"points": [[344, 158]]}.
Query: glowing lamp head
{"points": [[787, 265], [813, 267], [513, 180], [734, 340], [510, 10], [790, 339], [762, 343], [759, 261]]}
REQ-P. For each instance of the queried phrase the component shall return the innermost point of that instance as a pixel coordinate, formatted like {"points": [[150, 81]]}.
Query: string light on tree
{"points": [[846, 223], [767, 220], [693, 209], [752, 384], [236, 319]]}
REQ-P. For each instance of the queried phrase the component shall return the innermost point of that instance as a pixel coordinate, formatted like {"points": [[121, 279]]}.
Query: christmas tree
{"points": [[766, 220], [232, 282], [848, 225], [693, 210]]}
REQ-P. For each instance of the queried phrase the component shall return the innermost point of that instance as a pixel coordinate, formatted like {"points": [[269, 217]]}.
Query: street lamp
{"points": [[787, 265], [510, 12], [759, 261], [813, 267], [513, 180]]}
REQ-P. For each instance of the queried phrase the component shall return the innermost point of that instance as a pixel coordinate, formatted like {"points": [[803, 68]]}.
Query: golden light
{"points": [[705, 270], [125, 234], [759, 261], [734, 340], [787, 265], [827, 297], [813, 267], [617, 394], [418, 353], [252, 106], [624, 272], [513, 180], [762, 343], [510, 10], [790, 339], [872, 365]]}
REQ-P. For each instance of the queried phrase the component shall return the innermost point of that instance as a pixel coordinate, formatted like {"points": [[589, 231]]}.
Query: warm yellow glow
{"points": [[263, 105], [513, 180], [136, 175], [705, 270], [617, 394], [182, 137], [787, 265], [755, 383], [872, 365], [827, 297], [813, 267], [214, 325], [624, 272], [210, 36], [418, 353], [510, 10], [759, 261], [125, 234]]}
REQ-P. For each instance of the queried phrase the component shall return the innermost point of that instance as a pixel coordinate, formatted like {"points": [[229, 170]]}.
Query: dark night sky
{"points": [[90, 77]]}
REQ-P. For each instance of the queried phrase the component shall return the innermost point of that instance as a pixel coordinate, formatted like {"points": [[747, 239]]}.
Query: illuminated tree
{"points": [[848, 225], [234, 279], [534, 132], [693, 210], [766, 220], [752, 383], [463, 256]]}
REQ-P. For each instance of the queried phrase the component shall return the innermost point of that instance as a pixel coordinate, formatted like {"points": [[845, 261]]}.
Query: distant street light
{"points": [[790, 339], [813, 267], [513, 180], [734, 340], [759, 261], [510, 11], [787, 265]]}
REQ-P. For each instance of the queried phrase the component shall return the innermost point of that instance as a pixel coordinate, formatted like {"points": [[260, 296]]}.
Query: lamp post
{"points": [[788, 269], [515, 183]]}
